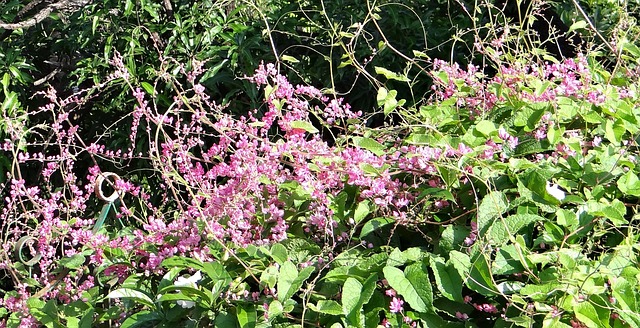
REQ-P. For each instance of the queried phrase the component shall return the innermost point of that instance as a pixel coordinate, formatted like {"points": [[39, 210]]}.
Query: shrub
{"points": [[502, 200]]}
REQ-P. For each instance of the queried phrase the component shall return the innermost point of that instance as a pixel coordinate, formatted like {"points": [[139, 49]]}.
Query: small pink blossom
{"points": [[396, 305]]}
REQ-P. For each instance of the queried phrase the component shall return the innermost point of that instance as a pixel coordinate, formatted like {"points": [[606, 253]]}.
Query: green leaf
{"points": [[290, 281], [461, 262], [420, 54], [418, 275], [290, 59], [46, 313], [629, 184], [346, 63], [328, 307], [225, 320], [530, 145], [73, 262], [211, 72], [304, 125], [374, 224], [10, 102], [141, 319], [448, 280], [631, 48], [87, 319], [370, 145], [391, 75], [269, 276], [614, 131], [507, 261], [615, 211], [354, 296], [480, 278], [382, 96], [288, 273], [486, 128], [627, 299], [406, 288], [529, 116], [390, 103], [501, 229], [177, 297], [536, 183], [133, 294], [361, 212], [147, 87], [279, 253], [587, 314], [169, 278], [247, 316], [73, 322], [567, 218], [579, 25], [491, 207], [275, 309], [351, 291], [453, 237], [6, 82], [371, 170], [387, 100], [187, 292], [215, 270]]}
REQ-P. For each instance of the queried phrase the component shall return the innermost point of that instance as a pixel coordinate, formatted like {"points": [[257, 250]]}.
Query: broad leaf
{"points": [[73, 262], [133, 294], [354, 296], [501, 229], [304, 125], [491, 207], [327, 307], [279, 253], [480, 278], [290, 281], [391, 75], [370, 145], [409, 288], [247, 316], [447, 278]]}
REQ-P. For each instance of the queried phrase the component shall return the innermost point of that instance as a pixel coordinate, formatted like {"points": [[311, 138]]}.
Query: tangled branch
{"points": [[62, 5]]}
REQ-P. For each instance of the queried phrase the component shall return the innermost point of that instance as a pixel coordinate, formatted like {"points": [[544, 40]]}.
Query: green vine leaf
{"points": [[304, 125], [411, 285], [247, 315], [370, 145], [491, 207], [133, 294], [448, 280], [501, 229], [290, 281], [391, 75], [354, 296]]}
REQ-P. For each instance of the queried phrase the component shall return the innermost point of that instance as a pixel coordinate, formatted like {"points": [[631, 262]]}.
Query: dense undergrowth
{"points": [[229, 169]]}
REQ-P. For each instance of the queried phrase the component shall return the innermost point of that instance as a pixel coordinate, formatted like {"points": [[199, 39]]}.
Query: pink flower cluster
{"points": [[571, 78], [222, 179]]}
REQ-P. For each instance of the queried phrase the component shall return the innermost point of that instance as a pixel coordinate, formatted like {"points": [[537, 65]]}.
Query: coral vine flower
{"points": [[396, 305]]}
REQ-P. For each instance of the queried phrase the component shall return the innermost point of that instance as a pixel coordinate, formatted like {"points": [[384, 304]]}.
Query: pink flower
{"points": [[462, 316], [503, 134], [396, 305], [596, 141]]}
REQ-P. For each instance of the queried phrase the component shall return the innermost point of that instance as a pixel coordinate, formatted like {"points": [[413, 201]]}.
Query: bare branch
{"points": [[62, 5]]}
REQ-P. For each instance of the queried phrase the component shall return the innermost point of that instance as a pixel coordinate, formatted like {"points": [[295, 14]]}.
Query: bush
{"points": [[498, 200]]}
